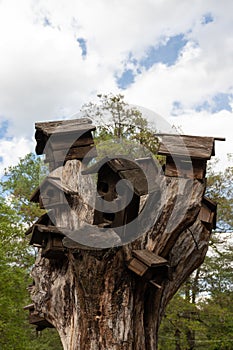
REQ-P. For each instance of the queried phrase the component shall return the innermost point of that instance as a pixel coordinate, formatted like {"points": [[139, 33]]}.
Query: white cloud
{"points": [[44, 76], [205, 124], [12, 150]]}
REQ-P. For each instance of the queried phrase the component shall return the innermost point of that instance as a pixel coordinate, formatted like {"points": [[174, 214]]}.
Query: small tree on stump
{"points": [[114, 298]]}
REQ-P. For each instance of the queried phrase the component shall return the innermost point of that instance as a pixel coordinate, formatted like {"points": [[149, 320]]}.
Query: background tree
{"points": [[116, 120], [209, 290], [17, 258]]}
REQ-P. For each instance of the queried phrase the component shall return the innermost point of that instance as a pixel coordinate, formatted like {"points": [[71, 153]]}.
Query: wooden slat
{"points": [[210, 203], [192, 146], [177, 167], [116, 164], [39, 321], [149, 166], [149, 258], [50, 229], [205, 214], [119, 164], [60, 141], [65, 126], [41, 232], [37, 237], [208, 214], [155, 284], [44, 220], [73, 153], [137, 267], [29, 307], [58, 186], [217, 138], [137, 179]]}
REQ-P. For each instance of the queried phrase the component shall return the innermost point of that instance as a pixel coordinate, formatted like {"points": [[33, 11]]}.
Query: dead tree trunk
{"points": [[96, 302]]}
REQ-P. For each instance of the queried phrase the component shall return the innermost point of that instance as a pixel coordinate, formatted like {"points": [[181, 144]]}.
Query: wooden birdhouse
{"points": [[48, 237], [37, 319], [51, 193], [208, 213], [186, 156], [36, 237], [149, 266], [152, 169], [65, 140], [110, 172]]}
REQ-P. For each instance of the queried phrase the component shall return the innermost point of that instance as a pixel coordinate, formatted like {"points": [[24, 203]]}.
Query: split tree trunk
{"points": [[95, 302]]}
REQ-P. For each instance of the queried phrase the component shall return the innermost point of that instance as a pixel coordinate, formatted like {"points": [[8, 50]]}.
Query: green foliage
{"points": [[18, 184], [207, 296], [122, 129], [220, 189], [16, 259], [181, 325]]}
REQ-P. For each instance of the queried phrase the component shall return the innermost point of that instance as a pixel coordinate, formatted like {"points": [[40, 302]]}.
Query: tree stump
{"points": [[91, 296]]}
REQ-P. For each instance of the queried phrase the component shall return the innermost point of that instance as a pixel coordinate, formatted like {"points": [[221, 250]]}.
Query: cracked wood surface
{"points": [[91, 297]]}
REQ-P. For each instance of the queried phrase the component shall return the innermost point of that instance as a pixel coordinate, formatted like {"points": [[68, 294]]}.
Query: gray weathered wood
{"points": [[190, 146], [178, 167], [149, 258], [137, 267], [208, 213], [95, 301], [92, 237], [72, 153], [65, 126]]}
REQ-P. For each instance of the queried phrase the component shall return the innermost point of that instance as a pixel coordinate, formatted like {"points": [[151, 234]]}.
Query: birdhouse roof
{"points": [[43, 220], [65, 126], [61, 133], [126, 169], [116, 164], [198, 147], [54, 181], [209, 203]]}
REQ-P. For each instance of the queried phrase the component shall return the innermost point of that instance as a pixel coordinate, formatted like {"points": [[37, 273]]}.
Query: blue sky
{"points": [[170, 57]]}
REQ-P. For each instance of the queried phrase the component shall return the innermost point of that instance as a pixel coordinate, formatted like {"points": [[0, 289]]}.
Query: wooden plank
{"points": [[209, 203], [37, 238], [54, 248], [60, 141], [39, 321], [149, 258], [68, 129], [50, 229], [41, 233], [44, 220], [137, 179], [29, 307], [205, 214], [120, 164], [208, 213], [95, 167], [65, 126], [217, 138], [189, 146], [73, 153], [41, 140], [116, 164], [50, 183], [176, 167], [149, 166], [155, 284], [137, 267]]}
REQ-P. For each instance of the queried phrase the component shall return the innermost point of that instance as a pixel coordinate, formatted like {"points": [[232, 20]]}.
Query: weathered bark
{"points": [[91, 297]]}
